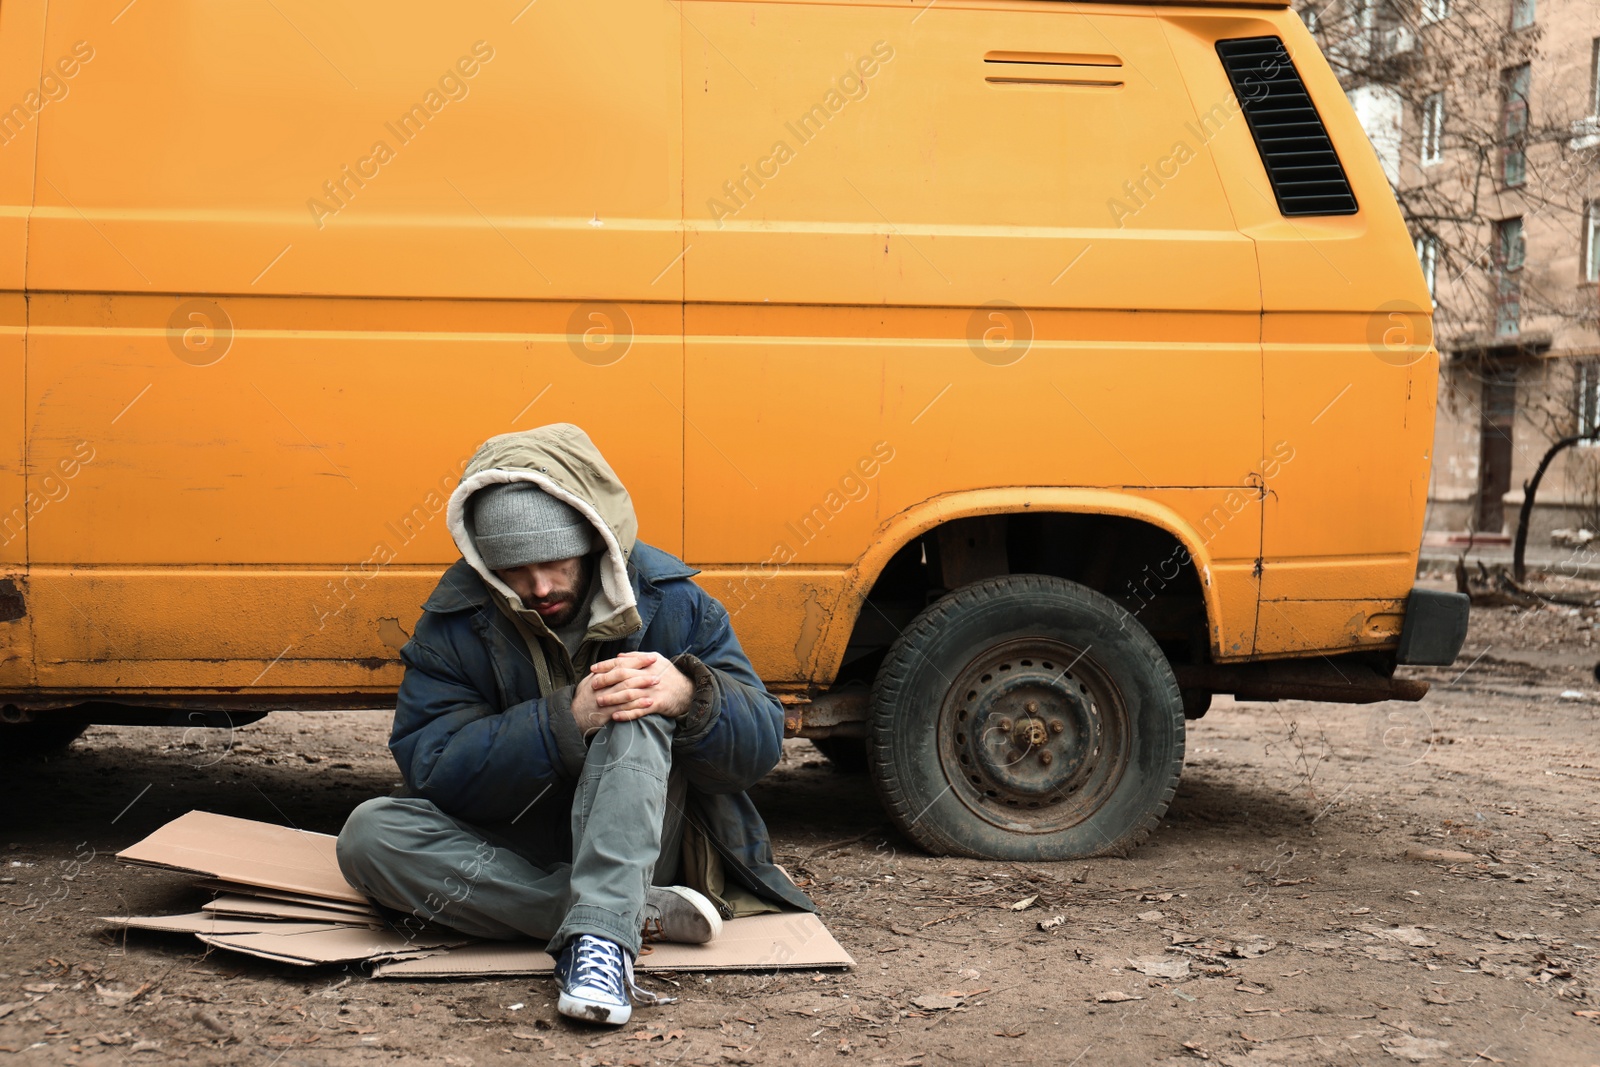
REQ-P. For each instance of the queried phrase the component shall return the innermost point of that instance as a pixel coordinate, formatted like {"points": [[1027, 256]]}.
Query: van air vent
{"points": [[1301, 163]]}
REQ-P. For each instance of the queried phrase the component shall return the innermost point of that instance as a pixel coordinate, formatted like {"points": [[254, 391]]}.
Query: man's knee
{"points": [[369, 836], [643, 743]]}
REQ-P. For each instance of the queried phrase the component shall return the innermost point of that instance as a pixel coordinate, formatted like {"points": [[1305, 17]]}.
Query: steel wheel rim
{"points": [[1033, 736]]}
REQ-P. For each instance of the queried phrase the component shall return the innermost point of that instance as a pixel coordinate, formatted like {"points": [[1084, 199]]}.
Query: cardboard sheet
{"points": [[286, 900], [235, 906], [242, 850], [239, 889], [760, 943], [202, 922], [333, 944]]}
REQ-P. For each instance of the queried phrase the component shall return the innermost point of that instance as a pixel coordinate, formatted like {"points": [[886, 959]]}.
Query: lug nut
{"points": [[1045, 758], [1004, 725], [1056, 726], [1031, 706]]}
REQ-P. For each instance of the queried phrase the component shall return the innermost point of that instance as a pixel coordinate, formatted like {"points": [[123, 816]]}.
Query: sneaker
{"points": [[594, 976], [677, 913]]}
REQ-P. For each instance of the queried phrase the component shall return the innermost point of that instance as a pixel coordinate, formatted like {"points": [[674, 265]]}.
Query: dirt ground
{"points": [[1284, 913]]}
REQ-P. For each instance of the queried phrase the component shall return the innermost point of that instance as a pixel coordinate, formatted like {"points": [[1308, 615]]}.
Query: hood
{"points": [[561, 460]]}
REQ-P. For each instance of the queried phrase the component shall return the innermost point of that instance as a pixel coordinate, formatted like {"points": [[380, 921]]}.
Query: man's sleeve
{"points": [[457, 749], [732, 734]]}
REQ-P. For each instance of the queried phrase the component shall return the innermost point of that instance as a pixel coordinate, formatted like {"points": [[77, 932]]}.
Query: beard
{"points": [[563, 617], [572, 601]]}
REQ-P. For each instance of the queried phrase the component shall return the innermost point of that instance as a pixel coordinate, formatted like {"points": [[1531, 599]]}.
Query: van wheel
{"points": [[1026, 718]]}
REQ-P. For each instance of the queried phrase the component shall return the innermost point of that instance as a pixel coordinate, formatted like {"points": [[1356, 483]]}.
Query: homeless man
{"points": [[576, 728]]}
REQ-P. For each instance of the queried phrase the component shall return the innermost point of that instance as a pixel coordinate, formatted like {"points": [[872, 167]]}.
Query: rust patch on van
{"points": [[391, 633], [810, 630], [12, 604]]}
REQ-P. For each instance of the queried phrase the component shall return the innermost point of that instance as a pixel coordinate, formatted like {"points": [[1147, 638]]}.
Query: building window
{"points": [[1514, 82], [1434, 10], [1522, 14], [1367, 21], [1594, 77], [1509, 245], [1508, 255], [1432, 128], [1591, 241], [1428, 256], [1586, 406]]}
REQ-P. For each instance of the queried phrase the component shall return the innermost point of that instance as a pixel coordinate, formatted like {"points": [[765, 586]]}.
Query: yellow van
{"points": [[1018, 373]]}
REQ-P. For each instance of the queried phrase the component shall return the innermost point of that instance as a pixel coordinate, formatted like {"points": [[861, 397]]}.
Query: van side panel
{"points": [[859, 186], [22, 97], [14, 506], [1349, 370], [843, 154], [428, 156], [16, 621], [265, 507]]}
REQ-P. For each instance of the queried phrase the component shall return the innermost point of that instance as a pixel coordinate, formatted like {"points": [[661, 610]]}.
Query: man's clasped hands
{"points": [[630, 686]]}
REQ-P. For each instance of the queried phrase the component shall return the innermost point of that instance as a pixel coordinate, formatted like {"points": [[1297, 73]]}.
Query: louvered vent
{"points": [[1305, 172]]}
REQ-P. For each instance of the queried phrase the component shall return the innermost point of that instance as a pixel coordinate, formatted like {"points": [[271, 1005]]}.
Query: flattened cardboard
{"points": [[784, 941], [241, 850], [239, 889], [201, 922], [275, 876], [235, 906], [333, 944]]}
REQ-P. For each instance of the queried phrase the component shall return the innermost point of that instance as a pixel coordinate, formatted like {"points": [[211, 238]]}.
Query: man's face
{"points": [[555, 589]]}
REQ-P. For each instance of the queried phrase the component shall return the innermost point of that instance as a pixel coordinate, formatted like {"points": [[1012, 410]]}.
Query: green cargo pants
{"points": [[627, 830]]}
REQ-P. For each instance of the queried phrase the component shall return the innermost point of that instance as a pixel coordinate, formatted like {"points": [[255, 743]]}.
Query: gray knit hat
{"points": [[517, 523]]}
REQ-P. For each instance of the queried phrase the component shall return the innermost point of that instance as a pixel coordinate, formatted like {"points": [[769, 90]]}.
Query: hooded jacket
{"points": [[483, 725]]}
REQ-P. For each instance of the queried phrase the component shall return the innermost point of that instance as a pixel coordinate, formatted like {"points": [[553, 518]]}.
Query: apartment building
{"points": [[1486, 116]]}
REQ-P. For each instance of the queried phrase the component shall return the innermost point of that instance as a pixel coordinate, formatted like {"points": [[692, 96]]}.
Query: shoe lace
{"points": [[601, 964]]}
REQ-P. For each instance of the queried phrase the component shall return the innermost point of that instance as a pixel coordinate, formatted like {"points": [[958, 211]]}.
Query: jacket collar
{"points": [[462, 588]]}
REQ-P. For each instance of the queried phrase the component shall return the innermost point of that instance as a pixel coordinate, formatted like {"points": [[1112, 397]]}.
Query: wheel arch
{"points": [[914, 524]]}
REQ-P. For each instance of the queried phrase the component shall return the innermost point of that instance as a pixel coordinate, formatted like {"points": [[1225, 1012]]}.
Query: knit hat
{"points": [[517, 523]]}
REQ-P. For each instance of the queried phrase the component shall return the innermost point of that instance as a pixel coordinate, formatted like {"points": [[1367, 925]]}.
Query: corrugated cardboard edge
{"points": [[255, 892], [333, 944], [785, 941], [263, 953], [243, 850], [252, 907], [204, 922]]}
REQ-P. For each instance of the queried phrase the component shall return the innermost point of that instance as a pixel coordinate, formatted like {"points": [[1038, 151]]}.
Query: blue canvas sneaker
{"points": [[595, 976]]}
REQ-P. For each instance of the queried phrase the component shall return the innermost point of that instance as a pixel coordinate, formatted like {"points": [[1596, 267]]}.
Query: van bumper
{"points": [[1435, 628]]}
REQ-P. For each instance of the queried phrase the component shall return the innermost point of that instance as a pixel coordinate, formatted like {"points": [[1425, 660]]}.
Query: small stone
{"points": [[1161, 968], [936, 1002], [1439, 855]]}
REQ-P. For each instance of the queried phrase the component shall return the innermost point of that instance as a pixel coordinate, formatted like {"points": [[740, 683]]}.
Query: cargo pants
{"points": [[627, 829]]}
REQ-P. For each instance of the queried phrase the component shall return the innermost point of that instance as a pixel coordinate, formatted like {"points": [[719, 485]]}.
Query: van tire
{"points": [[1026, 717]]}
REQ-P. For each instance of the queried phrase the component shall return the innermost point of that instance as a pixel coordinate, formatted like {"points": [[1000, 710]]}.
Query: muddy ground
{"points": [[1284, 913]]}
